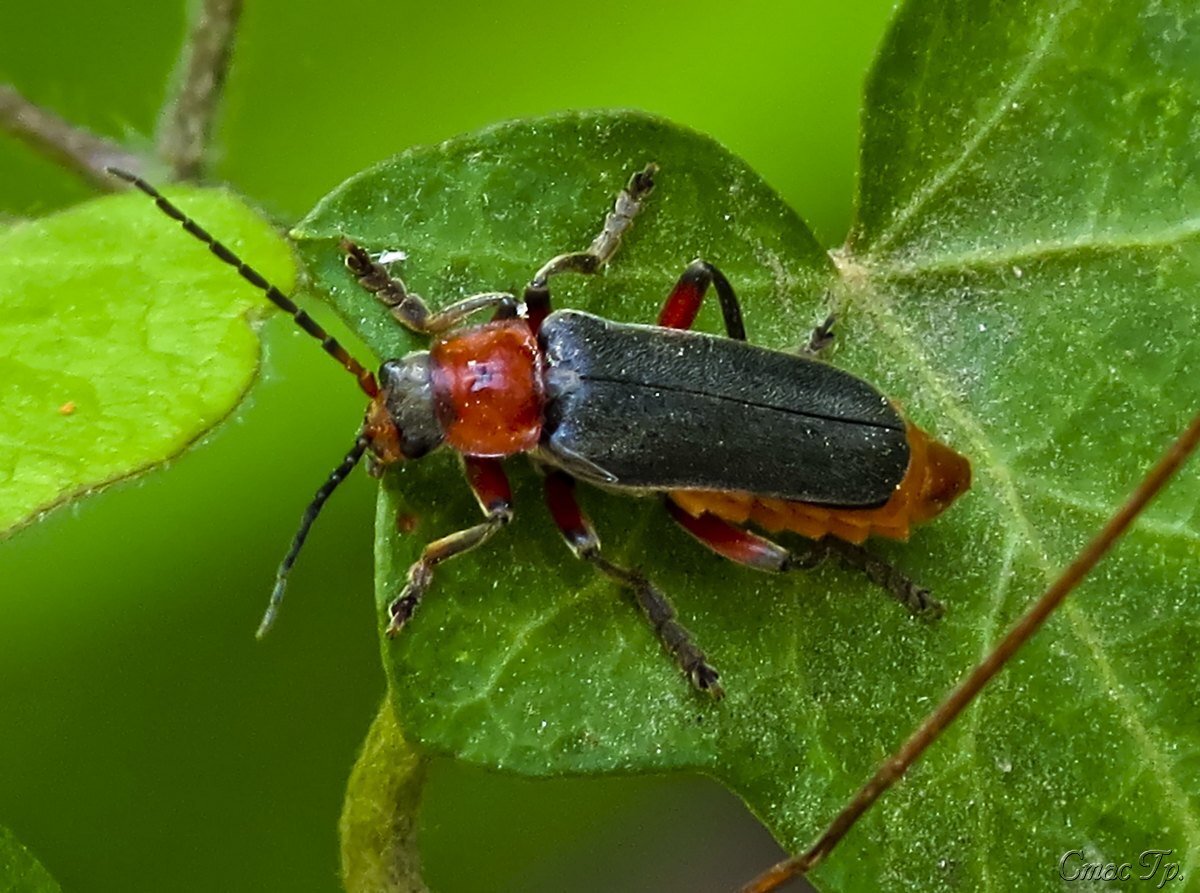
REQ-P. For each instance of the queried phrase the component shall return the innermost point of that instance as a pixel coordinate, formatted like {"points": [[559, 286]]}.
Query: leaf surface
{"points": [[20, 872], [1026, 248], [122, 340], [1051, 378]]}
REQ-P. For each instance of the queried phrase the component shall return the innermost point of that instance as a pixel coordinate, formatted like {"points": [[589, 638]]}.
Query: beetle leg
{"points": [[886, 576], [821, 337], [488, 481], [740, 545], [410, 309], [600, 252], [683, 303], [730, 541], [605, 245], [581, 538]]}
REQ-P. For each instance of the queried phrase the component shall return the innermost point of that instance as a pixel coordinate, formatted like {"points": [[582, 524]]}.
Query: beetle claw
{"points": [[822, 336], [706, 679], [925, 605], [400, 610]]}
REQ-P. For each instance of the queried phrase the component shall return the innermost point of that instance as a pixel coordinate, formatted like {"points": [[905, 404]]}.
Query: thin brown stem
{"points": [[74, 148], [189, 115], [896, 765]]}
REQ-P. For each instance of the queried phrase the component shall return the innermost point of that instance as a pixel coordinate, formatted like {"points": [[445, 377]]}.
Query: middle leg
{"points": [[581, 538], [683, 303]]}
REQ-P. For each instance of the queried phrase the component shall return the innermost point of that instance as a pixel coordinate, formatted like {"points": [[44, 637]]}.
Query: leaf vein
{"points": [[936, 184], [520, 639], [1130, 707], [1045, 249], [987, 634], [986, 458], [1147, 522]]}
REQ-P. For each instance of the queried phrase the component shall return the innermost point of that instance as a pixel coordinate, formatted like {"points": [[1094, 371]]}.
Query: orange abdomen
{"points": [[936, 476]]}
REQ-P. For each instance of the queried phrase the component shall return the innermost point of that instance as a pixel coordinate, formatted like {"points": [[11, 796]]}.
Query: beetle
{"points": [[727, 433]]}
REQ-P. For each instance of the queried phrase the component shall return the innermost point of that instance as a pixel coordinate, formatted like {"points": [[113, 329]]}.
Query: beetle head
{"points": [[401, 421]]}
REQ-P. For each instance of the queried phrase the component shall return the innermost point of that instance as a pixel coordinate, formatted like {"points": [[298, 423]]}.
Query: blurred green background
{"points": [[149, 743]]}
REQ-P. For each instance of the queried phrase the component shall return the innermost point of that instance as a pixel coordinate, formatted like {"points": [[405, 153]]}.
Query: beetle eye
{"points": [[407, 396]]}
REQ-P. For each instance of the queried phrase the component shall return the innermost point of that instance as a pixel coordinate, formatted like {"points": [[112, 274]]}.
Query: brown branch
{"points": [[188, 116], [378, 828], [896, 765], [74, 148]]}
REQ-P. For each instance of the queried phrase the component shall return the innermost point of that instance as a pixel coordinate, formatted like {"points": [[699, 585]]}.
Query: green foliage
{"points": [[1021, 278], [130, 645], [20, 872], [482, 212], [534, 663], [1027, 247], [121, 341]]}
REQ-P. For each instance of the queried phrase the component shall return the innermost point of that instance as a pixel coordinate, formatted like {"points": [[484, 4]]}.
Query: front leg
{"points": [[490, 485], [409, 308], [627, 206]]}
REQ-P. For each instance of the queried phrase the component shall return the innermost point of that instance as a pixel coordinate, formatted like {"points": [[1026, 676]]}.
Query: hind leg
{"points": [[740, 545]]}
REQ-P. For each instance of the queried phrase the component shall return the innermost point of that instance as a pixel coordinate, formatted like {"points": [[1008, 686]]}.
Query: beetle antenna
{"points": [[366, 378], [338, 475]]}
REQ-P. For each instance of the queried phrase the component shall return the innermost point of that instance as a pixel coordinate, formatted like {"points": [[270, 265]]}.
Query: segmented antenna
{"points": [[366, 378], [310, 515]]}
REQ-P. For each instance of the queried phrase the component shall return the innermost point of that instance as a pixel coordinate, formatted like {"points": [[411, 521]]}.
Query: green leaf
{"points": [[122, 340], [521, 657], [483, 212], [20, 872], [1060, 369], [1027, 251]]}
